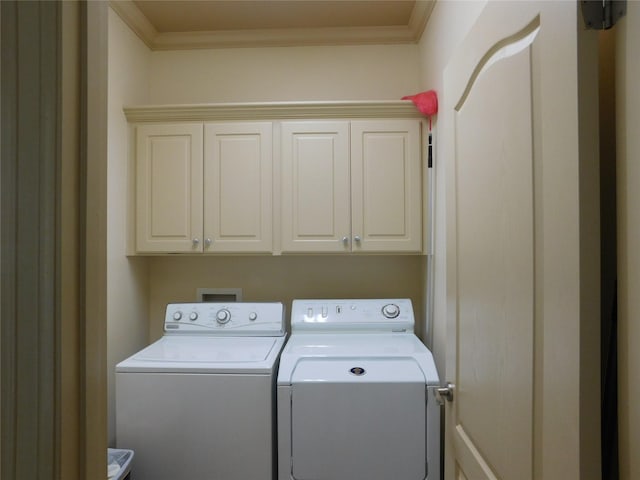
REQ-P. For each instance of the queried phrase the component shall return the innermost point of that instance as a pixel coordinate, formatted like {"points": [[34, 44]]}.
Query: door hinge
{"points": [[603, 14]]}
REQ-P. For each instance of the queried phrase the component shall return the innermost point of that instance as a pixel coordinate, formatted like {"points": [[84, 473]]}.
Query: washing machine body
{"points": [[355, 394], [199, 403]]}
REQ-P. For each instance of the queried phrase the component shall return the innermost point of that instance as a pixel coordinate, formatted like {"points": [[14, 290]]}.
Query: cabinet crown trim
{"points": [[272, 111]]}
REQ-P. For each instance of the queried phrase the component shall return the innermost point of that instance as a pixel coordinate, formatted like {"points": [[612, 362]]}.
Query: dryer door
{"points": [[355, 424]]}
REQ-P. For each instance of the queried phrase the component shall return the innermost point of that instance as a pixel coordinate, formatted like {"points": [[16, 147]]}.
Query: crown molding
{"points": [[283, 38], [272, 111], [135, 20], [404, 34], [419, 17]]}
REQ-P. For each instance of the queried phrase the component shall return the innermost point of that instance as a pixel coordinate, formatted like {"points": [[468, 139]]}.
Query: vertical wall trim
{"points": [[94, 193], [590, 238], [70, 443], [9, 102], [30, 300]]}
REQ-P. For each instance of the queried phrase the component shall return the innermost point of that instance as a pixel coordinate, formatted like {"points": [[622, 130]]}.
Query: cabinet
{"points": [[351, 186], [169, 168], [204, 187], [238, 204], [290, 177]]}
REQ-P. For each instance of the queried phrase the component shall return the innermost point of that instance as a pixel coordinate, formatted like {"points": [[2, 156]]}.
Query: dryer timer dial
{"points": [[391, 310], [223, 316]]}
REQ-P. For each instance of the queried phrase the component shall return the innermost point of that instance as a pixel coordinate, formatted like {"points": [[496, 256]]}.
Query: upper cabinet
{"points": [[386, 182], [204, 188], [316, 187], [342, 177], [169, 168], [351, 186], [238, 201]]}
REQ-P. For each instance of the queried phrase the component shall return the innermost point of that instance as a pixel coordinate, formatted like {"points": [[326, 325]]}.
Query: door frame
{"points": [[57, 265]]}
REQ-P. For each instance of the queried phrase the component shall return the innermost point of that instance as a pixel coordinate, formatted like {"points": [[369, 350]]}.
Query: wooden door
{"points": [[316, 212], [522, 276], [169, 188], [386, 201], [238, 189]]}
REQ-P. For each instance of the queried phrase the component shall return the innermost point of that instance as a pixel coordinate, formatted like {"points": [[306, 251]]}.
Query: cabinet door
{"points": [[238, 187], [169, 188], [385, 186], [315, 187]]}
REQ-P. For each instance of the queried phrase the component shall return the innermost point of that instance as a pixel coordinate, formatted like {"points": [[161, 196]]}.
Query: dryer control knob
{"points": [[223, 316], [177, 316], [193, 316], [391, 310]]}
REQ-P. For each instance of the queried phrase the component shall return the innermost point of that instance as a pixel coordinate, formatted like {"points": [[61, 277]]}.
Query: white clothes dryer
{"points": [[199, 403], [356, 394]]}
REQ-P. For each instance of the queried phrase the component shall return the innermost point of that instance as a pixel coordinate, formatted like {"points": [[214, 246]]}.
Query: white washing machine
{"points": [[356, 394], [199, 403]]}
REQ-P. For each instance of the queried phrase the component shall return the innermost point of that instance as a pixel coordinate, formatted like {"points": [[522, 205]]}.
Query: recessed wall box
{"points": [[219, 295]]}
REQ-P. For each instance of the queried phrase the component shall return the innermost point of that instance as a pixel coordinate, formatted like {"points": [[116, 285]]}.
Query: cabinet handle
{"points": [[357, 238], [196, 242], [345, 240], [208, 242]]}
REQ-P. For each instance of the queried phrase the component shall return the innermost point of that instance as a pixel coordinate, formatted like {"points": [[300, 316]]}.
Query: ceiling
{"points": [[187, 24]]}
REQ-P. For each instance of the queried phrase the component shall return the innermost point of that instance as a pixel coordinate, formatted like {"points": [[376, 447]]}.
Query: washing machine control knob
{"points": [[223, 316], [177, 316], [391, 310], [193, 316]]}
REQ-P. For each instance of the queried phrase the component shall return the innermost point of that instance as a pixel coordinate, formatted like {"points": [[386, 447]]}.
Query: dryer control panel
{"points": [[233, 319], [372, 315]]}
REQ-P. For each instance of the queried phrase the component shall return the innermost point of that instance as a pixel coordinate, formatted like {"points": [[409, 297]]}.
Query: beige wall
{"points": [[449, 23], [383, 72], [127, 278], [268, 278]]}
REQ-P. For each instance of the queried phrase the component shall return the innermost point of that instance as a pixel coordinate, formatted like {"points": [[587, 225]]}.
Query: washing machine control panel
{"points": [[254, 319], [386, 315]]}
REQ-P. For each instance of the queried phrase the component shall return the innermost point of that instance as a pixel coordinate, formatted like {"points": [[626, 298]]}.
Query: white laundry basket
{"points": [[118, 463]]}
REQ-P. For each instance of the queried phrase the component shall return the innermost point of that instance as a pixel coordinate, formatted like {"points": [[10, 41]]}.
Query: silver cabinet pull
{"points": [[208, 242], [345, 240], [196, 242], [357, 238]]}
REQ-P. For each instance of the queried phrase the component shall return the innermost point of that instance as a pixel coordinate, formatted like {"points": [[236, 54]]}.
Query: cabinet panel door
{"points": [[169, 188], [315, 187], [238, 187], [385, 186]]}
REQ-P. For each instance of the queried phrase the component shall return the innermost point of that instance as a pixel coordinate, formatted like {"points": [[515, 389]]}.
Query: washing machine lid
{"points": [[204, 354]]}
